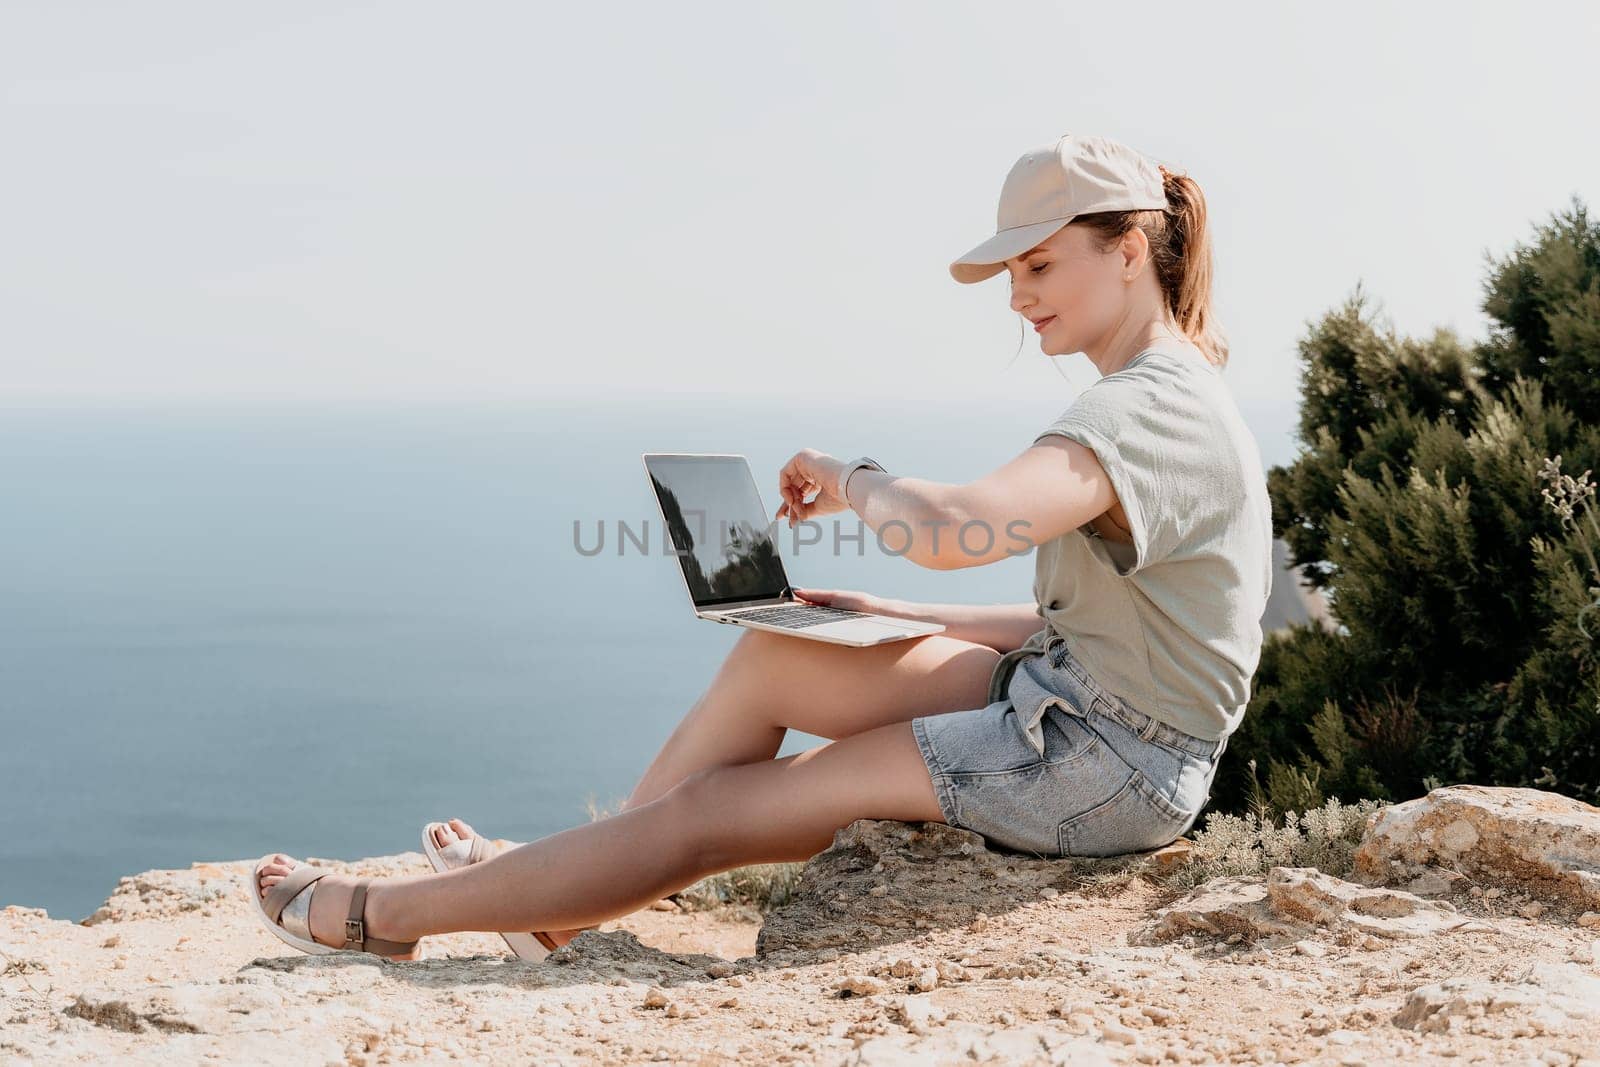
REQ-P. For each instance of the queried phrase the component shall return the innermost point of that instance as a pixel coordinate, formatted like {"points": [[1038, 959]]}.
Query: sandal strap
{"points": [[278, 896], [480, 849], [355, 928]]}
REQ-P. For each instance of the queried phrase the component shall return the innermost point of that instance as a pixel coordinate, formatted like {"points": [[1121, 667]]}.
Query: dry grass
{"points": [[1324, 838]]}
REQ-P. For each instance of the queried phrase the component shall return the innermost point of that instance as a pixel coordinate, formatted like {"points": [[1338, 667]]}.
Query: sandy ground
{"points": [[176, 969]]}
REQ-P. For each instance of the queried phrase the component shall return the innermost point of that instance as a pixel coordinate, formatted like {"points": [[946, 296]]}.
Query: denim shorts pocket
{"points": [[1067, 738], [1136, 818]]}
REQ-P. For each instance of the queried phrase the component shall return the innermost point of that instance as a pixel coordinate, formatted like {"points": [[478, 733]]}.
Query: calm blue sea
{"points": [[224, 633]]}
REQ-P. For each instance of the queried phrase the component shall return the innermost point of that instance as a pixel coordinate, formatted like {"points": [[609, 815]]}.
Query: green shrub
{"points": [[1423, 503]]}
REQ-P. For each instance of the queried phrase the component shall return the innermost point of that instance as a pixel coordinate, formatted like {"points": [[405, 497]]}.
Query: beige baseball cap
{"points": [[1055, 183]]}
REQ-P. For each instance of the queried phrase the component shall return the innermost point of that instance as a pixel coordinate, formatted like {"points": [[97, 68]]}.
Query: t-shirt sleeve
{"points": [[1131, 428]]}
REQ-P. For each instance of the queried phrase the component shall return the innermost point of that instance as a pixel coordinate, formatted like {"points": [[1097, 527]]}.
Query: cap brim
{"points": [[988, 259]]}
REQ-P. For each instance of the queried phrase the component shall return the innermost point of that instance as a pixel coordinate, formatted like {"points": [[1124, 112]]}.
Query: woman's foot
{"points": [[330, 904], [454, 830]]}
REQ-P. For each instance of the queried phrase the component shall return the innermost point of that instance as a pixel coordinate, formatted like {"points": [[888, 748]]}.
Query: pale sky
{"points": [[403, 200]]}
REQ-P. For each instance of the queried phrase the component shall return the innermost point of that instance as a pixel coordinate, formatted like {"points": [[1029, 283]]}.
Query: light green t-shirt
{"points": [[1171, 623]]}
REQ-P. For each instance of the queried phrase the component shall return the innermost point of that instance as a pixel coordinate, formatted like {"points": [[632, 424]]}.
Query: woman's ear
{"points": [[1135, 251]]}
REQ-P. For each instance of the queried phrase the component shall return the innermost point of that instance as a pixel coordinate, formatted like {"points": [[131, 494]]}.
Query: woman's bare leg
{"points": [[769, 684], [761, 812]]}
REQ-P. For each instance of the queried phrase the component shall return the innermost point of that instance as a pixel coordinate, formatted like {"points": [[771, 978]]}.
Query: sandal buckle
{"points": [[355, 930]]}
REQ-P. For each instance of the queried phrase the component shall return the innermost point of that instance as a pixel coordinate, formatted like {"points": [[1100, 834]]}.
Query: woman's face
{"points": [[1076, 291]]}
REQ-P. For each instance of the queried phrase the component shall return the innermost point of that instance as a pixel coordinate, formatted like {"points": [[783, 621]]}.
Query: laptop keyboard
{"points": [[796, 617]]}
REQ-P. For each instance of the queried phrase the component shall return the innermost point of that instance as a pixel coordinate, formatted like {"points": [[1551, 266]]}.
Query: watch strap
{"points": [[853, 466]]}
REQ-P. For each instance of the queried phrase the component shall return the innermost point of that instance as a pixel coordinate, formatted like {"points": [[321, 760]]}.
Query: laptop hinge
{"points": [[785, 597]]}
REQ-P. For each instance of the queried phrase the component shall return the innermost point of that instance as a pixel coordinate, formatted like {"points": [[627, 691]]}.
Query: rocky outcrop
{"points": [[905, 944], [1293, 902], [888, 881], [1546, 844], [1552, 996]]}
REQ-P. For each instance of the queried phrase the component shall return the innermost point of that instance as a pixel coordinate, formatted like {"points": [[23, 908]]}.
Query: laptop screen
{"points": [[725, 540]]}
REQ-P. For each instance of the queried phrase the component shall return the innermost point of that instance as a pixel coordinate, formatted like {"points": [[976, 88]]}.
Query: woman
{"points": [[1095, 735]]}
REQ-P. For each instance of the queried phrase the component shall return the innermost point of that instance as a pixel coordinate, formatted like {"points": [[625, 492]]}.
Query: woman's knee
{"points": [[724, 817], [698, 809]]}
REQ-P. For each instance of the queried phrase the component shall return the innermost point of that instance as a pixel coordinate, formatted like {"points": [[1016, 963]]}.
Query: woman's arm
{"points": [[1002, 627], [1052, 487]]}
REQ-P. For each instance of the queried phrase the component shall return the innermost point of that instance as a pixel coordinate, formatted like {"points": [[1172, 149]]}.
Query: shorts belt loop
{"points": [[1148, 730], [1056, 641]]}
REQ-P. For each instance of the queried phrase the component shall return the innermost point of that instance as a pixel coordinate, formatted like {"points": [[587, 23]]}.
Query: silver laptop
{"points": [[726, 545]]}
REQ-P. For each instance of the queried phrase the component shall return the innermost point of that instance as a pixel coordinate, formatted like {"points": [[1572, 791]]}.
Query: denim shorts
{"points": [[1110, 779]]}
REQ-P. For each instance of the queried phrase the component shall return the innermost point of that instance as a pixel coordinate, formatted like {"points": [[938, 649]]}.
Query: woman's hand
{"points": [[810, 470], [853, 600]]}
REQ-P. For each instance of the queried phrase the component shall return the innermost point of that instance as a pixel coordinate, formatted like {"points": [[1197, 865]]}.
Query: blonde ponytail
{"points": [[1180, 251]]}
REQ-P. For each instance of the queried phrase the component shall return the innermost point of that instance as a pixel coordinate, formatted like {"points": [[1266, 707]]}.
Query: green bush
{"points": [[1423, 503]]}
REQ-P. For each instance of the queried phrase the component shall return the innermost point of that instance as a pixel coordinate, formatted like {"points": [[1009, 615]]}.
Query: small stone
{"points": [[858, 985], [878, 890], [1589, 918], [719, 970], [654, 997], [1159, 1016], [919, 1014], [1492, 892], [1531, 910], [1049, 892], [1118, 1033], [927, 980], [1309, 948], [116, 939], [665, 905]]}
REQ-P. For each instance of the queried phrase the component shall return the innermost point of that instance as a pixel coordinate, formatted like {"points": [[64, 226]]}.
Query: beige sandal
{"points": [[533, 946], [286, 911]]}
